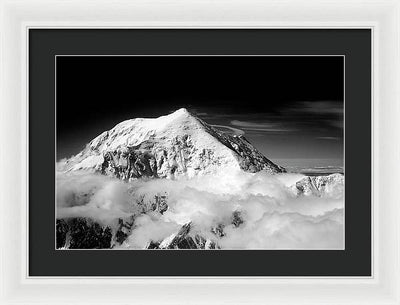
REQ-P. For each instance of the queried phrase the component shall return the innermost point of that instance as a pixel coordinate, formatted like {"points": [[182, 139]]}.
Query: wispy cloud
{"points": [[265, 127], [235, 131], [335, 123], [202, 114], [319, 108], [328, 138], [252, 124], [314, 118]]}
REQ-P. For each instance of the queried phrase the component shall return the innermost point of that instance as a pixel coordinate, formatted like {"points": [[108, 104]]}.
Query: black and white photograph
{"points": [[200, 152]]}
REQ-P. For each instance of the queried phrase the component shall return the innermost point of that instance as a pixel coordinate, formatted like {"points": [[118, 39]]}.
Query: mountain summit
{"points": [[171, 146]]}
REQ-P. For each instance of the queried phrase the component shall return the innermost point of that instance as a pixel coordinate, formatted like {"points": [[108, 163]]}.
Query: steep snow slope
{"points": [[178, 144]]}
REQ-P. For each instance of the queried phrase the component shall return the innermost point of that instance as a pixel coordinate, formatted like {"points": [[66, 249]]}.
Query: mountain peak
{"points": [[177, 144], [181, 111]]}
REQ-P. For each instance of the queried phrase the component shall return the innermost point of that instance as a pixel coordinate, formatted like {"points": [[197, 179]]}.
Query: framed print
{"points": [[233, 161]]}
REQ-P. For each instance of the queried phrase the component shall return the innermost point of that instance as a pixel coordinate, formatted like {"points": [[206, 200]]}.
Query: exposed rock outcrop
{"points": [[184, 239], [86, 233], [82, 233], [321, 186]]}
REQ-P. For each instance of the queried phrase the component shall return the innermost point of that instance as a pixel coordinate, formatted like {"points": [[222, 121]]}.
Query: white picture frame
{"points": [[382, 17]]}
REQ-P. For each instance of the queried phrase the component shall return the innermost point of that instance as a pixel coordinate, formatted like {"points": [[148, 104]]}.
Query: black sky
{"points": [[288, 107]]}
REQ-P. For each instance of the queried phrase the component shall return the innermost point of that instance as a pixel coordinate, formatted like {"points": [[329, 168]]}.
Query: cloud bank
{"points": [[274, 216]]}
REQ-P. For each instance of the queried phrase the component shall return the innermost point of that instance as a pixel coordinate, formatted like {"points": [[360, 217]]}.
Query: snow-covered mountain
{"points": [[321, 186], [231, 202], [171, 146]]}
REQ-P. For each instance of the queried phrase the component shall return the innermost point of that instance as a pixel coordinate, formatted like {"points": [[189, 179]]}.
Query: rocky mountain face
{"points": [[171, 146], [86, 233]]}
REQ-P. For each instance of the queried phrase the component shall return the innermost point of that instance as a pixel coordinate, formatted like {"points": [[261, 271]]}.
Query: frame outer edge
{"points": [[15, 287]]}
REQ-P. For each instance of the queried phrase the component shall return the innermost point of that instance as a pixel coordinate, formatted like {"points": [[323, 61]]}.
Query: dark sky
{"points": [[288, 107]]}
